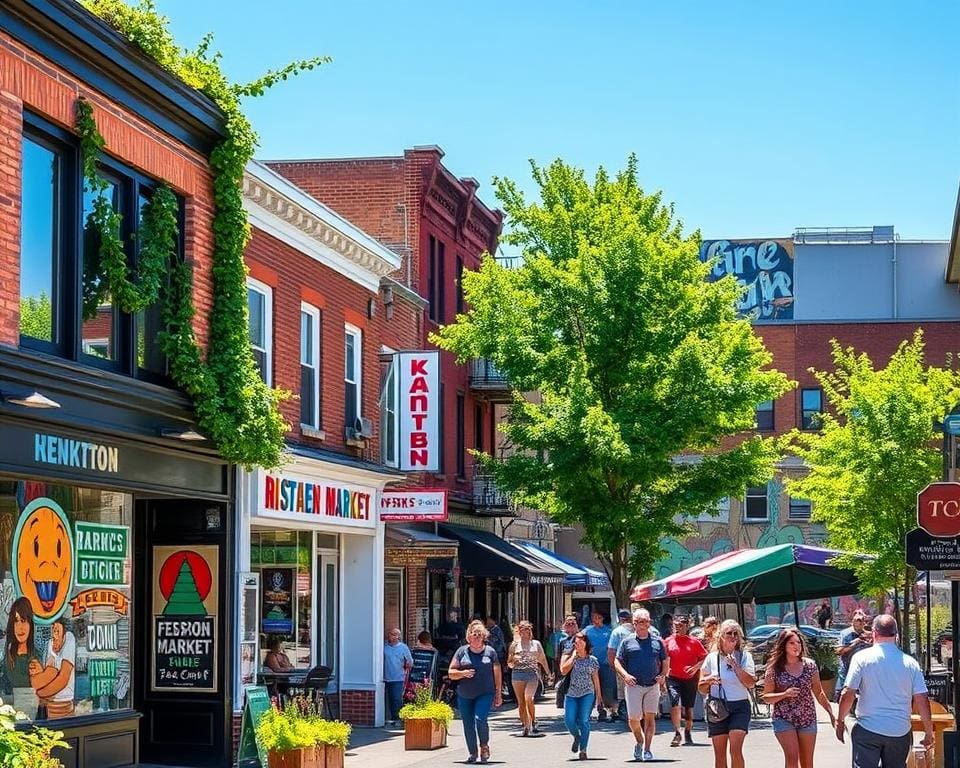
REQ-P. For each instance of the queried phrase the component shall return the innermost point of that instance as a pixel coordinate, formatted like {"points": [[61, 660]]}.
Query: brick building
{"points": [[414, 205], [866, 288], [103, 482]]}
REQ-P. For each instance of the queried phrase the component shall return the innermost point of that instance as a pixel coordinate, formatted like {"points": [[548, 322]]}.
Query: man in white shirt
{"points": [[889, 683]]}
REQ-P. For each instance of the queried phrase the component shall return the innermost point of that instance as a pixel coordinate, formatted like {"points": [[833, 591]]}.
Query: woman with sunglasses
{"points": [[791, 683], [583, 692], [525, 658], [477, 669], [729, 673]]}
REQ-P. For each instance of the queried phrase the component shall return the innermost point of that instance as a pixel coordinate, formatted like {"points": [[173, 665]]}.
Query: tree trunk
{"points": [[619, 576], [905, 626]]}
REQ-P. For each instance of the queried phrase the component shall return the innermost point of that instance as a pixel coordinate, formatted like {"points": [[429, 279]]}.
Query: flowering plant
{"points": [[422, 705]]}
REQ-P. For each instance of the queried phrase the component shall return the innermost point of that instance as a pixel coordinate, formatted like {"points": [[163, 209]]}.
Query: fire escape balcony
{"points": [[489, 499], [488, 382]]}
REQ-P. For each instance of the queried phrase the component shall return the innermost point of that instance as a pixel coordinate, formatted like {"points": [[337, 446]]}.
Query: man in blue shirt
{"points": [[599, 634], [852, 640], [397, 659], [622, 631], [643, 664]]}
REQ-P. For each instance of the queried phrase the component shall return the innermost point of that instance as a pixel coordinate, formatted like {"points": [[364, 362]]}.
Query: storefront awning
{"points": [[487, 555], [403, 536], [574, 574]]}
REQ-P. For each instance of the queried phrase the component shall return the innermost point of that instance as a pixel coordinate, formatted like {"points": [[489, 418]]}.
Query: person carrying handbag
{"points": [[726, 678]]}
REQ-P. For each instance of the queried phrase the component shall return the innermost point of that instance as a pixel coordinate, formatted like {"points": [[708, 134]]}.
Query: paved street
{"points": [[608, 743]]}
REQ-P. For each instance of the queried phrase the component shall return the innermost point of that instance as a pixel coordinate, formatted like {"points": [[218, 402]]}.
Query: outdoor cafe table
{"points": [[278, 684], [941, 721]]}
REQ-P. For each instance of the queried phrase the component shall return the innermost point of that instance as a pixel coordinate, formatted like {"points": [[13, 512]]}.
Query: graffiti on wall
{"points": [[763, 268]]}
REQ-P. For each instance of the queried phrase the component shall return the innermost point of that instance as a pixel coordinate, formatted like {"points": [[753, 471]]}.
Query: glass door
{"points": [[328, 608]]}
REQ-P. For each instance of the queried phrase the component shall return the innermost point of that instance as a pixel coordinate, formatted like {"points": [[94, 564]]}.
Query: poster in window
{"points": [[247, 627], [277, 601], [185, 603]]}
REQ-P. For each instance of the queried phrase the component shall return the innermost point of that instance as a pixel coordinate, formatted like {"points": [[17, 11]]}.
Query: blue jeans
{"points": [[474, 714], [394, 691], [576, 715]]}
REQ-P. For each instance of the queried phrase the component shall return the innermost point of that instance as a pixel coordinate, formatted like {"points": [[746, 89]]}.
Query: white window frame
{"points": [[267, 292], [766, 497], [352, 330], [314, 313], [390, 395]]}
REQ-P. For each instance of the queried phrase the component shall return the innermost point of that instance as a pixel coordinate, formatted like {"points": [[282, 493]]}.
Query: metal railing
{"points": [[485, 376], [488, 497]]}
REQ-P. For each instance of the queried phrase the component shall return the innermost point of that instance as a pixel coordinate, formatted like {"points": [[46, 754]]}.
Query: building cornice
{"points": [[283, 210]]}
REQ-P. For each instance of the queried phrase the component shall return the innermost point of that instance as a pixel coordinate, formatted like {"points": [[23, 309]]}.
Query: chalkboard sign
{"points": [[185, 653], [424, 666], [257, 702], [938, 687]]}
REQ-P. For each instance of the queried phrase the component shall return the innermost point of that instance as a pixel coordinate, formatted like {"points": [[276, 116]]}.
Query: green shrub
{"points": [[423, 707], [298, 727], [26, 748]]}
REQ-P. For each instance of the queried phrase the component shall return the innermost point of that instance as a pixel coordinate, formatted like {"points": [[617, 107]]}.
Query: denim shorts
{"points": [[782, 726], [738, 720], [524, 675]]}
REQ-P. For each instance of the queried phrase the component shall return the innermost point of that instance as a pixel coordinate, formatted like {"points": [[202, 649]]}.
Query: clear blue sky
{"points": [[754, 118]]}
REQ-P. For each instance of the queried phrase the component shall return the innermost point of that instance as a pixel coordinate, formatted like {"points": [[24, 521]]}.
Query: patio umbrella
{"points": [[782, 573]]}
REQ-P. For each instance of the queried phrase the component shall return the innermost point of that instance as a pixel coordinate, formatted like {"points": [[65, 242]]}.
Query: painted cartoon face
{"points": [[58, 636], [43, 557], [21, 628]]}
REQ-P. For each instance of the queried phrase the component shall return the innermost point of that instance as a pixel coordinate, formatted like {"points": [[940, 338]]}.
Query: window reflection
{"points": [[39, 249], [99, 313], [149, 322]]}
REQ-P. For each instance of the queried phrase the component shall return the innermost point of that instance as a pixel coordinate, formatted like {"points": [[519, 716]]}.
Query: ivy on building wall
{"points": [[233, 405]]}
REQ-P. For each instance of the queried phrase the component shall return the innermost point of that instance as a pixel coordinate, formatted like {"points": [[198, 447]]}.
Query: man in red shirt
{"points": [[686, 657]]}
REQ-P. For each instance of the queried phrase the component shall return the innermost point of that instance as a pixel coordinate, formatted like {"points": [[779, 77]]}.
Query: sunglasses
{"points": [[730, 633], [641, 621]]}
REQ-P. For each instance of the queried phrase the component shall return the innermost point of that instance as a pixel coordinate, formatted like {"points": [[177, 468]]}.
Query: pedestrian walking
{"points": [[824, 614], [550, 648], [564, 644], [889, 684], [476, 669], [599, 633], [729, 673], [710, 626], [643, 664], [622, 631], [582, 692], [397, 659], [853, 639], [687, 655], [791, 683], [525, 658]]}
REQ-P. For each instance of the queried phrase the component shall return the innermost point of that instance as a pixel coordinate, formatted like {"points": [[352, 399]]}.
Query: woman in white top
{"points": [[728, 673], [524, 659]]}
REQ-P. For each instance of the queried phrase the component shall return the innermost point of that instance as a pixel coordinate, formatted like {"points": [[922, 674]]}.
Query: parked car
{"points": [[766, 631]]}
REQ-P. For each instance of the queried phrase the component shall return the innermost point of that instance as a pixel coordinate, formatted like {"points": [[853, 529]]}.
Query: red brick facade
{"points": [[414, 562], [358, 707], [404, 201]]}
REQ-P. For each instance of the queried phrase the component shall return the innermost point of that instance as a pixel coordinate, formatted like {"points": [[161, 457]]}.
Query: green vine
{"points": [[233, 405]]}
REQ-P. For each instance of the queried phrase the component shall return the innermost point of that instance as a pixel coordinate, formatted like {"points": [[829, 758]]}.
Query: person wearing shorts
{"points": [[643, 664], [622, 631], [729, 672], [686, 657], [525, 658]]}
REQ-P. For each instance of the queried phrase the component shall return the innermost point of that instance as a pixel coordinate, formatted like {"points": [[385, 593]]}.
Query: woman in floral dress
{"points": [[791, 683]]}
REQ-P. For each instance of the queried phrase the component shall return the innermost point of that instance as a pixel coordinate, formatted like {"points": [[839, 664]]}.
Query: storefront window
{"points": [[65, 605], [284, 560]]}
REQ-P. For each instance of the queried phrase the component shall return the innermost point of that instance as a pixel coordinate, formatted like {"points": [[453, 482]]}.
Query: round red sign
{"points": [[938, 509]]}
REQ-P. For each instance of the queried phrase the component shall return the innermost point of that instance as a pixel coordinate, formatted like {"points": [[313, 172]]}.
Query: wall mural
{"points": [[64, 599], [765, 268]]}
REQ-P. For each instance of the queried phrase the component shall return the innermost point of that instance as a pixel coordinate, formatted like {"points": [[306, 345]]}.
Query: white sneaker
{"points": [[647, 755]]}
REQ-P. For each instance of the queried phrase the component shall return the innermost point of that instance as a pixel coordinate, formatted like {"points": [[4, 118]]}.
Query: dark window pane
{"points": [[39, 243], [756, 504], [461, 438], [260, 358], [350, 405], [812, 405], [308, 386], [764, 415], [799, 509], [149, 324], [478, 426], [100, 316]]}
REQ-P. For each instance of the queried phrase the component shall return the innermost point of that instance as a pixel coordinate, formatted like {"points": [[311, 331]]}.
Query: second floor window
{"points": [[260, 310], [351, 376], [460, 304], [811, 405], [478, 427], [755, 504], [764, 415], [310, 384], [435, 280], [799, 509], [388, 416]]}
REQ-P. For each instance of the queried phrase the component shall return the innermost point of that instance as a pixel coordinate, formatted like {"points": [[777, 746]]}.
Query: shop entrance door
{"points": [[184, 590], [328, 590]]}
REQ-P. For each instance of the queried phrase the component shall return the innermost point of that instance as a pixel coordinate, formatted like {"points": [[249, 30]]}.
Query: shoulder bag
{"points": [[715, 707]]}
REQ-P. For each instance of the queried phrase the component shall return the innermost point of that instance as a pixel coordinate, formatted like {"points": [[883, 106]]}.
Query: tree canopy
{"points": [[876, 450], [640, 364]]}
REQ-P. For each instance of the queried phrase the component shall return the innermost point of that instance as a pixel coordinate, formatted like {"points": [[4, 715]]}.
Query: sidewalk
{"points": [[609, 742]]}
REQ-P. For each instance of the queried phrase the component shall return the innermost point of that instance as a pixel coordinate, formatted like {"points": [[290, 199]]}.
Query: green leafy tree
{"points": [[36, 316], [637, 360], [876, 450]]}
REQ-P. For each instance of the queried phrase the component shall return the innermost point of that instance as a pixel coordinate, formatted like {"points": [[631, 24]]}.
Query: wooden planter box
{"points": [[319, 756], [424, 734]]}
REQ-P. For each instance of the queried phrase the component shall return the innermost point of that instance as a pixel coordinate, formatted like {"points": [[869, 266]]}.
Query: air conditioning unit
{"points": [[364, 427]]}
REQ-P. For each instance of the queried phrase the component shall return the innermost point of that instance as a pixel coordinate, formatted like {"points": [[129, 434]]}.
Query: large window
{"points": [[65, 306], [388, 414], [260, 310], [764, 415], [811, 405], [478, 427], [66, 560], [352, 372], [755, 504], [310, 383], [435, 281], [461, 437]]}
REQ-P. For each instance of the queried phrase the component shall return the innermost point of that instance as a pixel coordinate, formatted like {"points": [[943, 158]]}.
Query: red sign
{"points": [[938, 509], [413, 505]]}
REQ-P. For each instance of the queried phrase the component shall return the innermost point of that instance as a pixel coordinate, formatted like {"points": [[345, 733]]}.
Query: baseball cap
{"points": [[623, 613]]}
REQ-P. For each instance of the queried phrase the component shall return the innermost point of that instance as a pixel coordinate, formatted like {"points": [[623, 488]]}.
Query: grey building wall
{"points": [[873, 281]]}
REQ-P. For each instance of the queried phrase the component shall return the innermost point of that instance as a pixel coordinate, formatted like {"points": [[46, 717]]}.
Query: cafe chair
{"points": [[315, 688]]}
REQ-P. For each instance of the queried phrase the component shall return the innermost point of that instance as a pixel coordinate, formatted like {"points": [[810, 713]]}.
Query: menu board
{"points": [[424, 666]]}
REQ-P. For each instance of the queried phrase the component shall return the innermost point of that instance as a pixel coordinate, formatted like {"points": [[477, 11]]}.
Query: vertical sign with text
{"points": [[419, 410]]}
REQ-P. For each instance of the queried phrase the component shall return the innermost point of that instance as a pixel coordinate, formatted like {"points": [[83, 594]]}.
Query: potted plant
{"points": [[24, 745], [297, 737], [425, 721], [824, 654]]}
